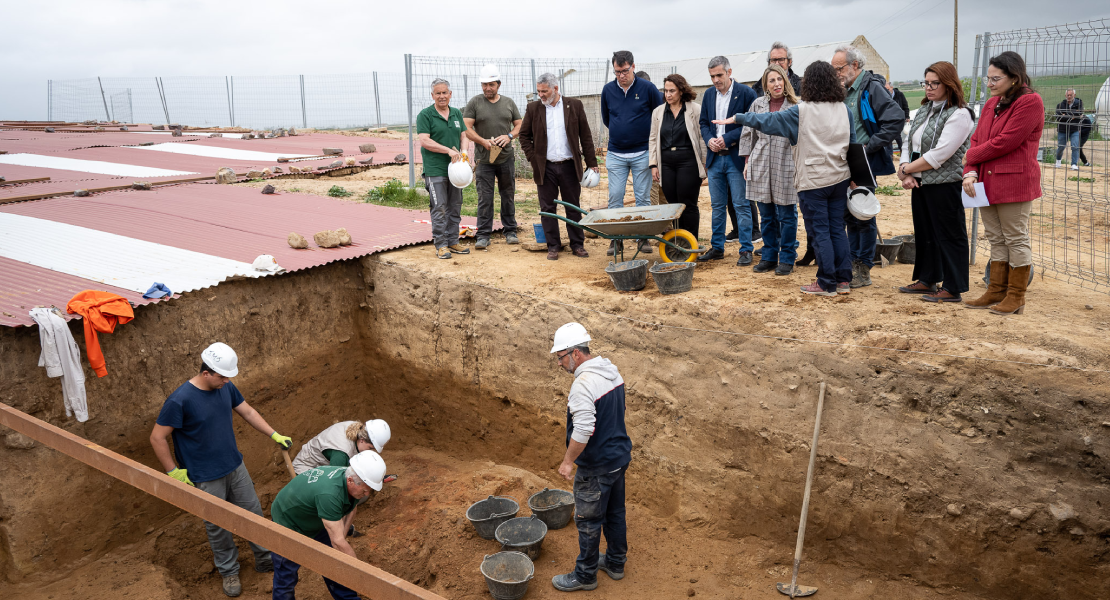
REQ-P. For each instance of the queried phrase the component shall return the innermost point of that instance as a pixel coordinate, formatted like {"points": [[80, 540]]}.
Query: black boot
{"points": [[808, 259]]}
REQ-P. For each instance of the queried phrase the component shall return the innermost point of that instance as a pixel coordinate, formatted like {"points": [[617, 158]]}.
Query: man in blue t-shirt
{"points": [[198, 417]]}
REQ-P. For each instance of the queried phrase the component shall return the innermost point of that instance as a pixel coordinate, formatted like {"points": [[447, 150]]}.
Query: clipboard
{"points": [[859, 167]]}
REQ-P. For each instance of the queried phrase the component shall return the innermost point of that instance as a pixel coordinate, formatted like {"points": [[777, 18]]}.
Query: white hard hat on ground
{"points": [[590, 178], [863, 204], [378, 430], [221, 359], [489, 73], [568, 336], [460, 174], [370, 468], [267, 263]]}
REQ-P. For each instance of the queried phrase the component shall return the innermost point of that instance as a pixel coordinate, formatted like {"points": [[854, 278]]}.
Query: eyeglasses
{"points": [[840, 68], [996, 78], [931, 85], [781, 61], [560, 357], [622, 71]]}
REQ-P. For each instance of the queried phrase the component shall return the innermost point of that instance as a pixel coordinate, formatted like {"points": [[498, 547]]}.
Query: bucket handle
{"points": [[496, 516]]}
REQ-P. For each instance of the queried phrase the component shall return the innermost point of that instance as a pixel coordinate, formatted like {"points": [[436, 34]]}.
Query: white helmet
{"points": [[568, 336], [460, 174], [489, 73], [370, 468], [267, 263], [222, 359], [863, 204], [590, 178], [378, 430]]}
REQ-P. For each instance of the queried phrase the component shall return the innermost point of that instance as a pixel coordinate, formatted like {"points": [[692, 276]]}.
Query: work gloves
{"points": [[285, 442], [181, 475]]}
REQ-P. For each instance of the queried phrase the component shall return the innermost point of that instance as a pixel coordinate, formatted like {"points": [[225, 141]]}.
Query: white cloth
{"points": [[62, 358], [558, 146], [956, 130], [311, 455], [722, 108], [592, 380]]}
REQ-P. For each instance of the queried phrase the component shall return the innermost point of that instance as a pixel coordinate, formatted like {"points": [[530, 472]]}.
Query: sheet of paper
{"points": [[980, 199]]}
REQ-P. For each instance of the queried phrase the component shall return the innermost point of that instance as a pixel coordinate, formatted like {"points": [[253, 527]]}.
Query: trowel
{"points": [[494, 152]]}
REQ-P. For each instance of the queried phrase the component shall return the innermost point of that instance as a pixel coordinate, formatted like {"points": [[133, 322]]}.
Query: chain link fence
{"points": [[1070, 225]]}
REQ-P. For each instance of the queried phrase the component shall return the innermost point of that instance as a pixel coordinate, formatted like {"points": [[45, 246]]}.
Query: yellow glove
{"points": [[284, 442], [181, 475]]}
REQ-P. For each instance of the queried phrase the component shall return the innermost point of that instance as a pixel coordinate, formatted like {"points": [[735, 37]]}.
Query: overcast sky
{"points": [[69, 39]]}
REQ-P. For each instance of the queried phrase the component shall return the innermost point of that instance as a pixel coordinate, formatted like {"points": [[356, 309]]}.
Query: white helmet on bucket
{"points": [[370, 468], [378, 430], [221, 359], [590, 178], [569, 336], [460, 174]]}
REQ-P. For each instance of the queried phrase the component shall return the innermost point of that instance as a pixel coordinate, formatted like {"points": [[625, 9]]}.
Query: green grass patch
{"points": [[889, 190], [396, 194], [1082, 179], [337, 192]]}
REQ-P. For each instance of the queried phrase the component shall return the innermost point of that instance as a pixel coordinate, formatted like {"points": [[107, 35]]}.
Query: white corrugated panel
{"points": [[199, 149], [112, 259], [87, 166]]}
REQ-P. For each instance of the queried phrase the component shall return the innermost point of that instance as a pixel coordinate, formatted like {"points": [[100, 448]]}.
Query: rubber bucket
{"points": [[673, 278], [523, 534], [888, 248], [486, 515], [540, 237], [908, 253], [554, 507], [507, 574], [628, 276]]}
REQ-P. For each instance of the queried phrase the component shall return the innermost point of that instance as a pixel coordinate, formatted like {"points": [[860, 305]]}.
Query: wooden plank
{"points": [[15, 181], [333, 564]]}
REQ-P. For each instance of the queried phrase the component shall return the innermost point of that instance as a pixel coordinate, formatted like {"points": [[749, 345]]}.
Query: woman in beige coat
{"points": [[675, 149]]}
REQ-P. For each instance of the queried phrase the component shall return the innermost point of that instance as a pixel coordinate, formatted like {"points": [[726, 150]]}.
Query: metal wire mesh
{"points": [[1070, 225]]}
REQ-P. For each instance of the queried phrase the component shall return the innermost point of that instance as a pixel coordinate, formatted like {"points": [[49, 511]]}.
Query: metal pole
{"points": [[130, 106], [49, 99], [601, 117], [973, 97], [304, 112], [377, 102], [105, 100], [956, 35], [986, 61], [466, 90], [230, 115], [974, 232], [162, 95], [535, 91], [232, 78], [408, 94]]}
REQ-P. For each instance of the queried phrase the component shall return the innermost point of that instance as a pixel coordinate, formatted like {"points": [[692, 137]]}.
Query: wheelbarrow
{"points": [[658, 222]]}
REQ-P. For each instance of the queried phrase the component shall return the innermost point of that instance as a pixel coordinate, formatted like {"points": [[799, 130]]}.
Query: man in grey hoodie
{"points": [[598, 443]]}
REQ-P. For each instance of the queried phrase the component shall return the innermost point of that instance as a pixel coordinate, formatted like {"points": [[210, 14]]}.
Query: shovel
{"points": [[793, 589]]}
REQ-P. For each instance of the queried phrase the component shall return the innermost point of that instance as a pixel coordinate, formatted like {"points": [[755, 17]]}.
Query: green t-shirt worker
{"points": [[441, 129], [493, 121], [320, 503]]}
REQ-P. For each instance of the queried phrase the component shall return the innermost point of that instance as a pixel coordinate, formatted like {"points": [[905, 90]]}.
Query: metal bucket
{"points": [[554, 507], [523, 534], [888, 248], [507, 574], [628, 276], [908, 253], [486, 515], [673, 278]]}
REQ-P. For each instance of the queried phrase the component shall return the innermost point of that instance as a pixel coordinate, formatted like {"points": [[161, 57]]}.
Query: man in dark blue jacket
{"points": [[724, 166], [598, 443], [626, 105]]}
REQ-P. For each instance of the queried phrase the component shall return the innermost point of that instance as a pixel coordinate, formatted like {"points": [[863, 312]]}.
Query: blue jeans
{"points": [[862, 237], [599, 508], [1062, 140], [727, 185], [286, 575], [780, 232], [618, 169], [824, 210]]}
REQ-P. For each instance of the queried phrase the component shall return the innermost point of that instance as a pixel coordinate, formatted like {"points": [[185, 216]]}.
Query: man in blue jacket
{"points": [[626, 105], [877, 121], [598, 443], [724, 166]]}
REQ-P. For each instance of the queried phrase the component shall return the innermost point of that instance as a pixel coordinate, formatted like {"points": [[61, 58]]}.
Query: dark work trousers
{"points": [[808, 228], [940, 232], [682, 184], [287, 574], [506, 187], [560, 181], [599, 508], [824, 210]]}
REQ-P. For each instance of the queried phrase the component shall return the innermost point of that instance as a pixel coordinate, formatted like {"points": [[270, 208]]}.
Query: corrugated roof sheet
{"points": [[24, 286]]}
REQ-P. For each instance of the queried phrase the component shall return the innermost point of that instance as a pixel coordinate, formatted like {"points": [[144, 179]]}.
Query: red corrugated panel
{"points": [[314, 143], [43, 143]]}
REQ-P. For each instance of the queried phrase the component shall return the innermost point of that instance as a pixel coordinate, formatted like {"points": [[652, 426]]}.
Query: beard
{"points": [[554, 99], [490, 95]]}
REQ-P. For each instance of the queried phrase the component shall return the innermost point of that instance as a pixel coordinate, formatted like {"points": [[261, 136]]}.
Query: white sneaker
{"points": [[1075, 167], [1058, 165]]}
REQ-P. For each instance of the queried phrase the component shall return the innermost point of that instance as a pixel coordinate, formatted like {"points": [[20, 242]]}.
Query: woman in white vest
{"points": [[932, 167], [336, 445], [819, 130]]}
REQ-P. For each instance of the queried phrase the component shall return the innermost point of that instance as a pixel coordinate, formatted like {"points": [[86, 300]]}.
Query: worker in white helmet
{"points": [[598, 444], [320, 503], [198, 417], [493, 120]]}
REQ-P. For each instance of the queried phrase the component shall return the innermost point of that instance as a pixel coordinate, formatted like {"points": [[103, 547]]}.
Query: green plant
{"points": [[337, 192], [889, 190], [396, 194], [1082, 179]]}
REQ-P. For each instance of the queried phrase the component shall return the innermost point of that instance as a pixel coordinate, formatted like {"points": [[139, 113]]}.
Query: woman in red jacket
{"points": [[1003, 155]]}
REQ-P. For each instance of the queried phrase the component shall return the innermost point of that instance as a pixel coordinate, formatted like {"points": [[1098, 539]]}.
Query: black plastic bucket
{"points": [[888, 248], [523, 534], [628, 276], [554, 507], [673, 278], [908, 253], [507, 574], [486, 515]]}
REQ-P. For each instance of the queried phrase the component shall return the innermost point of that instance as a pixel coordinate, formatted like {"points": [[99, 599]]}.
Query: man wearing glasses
{"points": [[626, 105], [780, 55], [598, 444]]}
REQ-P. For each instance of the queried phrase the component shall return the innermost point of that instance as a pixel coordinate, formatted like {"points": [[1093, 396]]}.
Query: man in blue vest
{"points": [[598, 443]]}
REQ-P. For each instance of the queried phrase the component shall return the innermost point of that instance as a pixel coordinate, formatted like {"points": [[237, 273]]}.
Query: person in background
{"points": [[657, 196], [876, 128], [723, 165], [900, 100], [1003, 156], [493, 120], [676, 152], [441, 130], [819, 129], [1085, 126], [769, 172], [932, 168], [1069, 117], [626, 105], [780, 55], [336, 445]]}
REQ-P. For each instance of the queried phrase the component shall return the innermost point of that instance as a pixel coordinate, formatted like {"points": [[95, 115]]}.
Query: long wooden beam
{"points": [[15, 181], [330, 563]]}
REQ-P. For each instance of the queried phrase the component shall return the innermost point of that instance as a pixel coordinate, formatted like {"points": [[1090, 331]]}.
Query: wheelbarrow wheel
{"points": [[681, 238]]}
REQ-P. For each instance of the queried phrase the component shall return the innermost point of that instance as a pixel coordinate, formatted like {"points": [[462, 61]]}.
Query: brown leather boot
{"points": [[1014, 304], [996, 289]]}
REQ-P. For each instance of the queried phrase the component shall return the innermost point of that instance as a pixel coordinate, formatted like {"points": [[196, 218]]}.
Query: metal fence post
{"points": [[49, 99], [973, 96], [232, 93], [103, 99], [408, 94], [304, 112], [535, 91], [377, 102], [162, 95], [986, 60], [130, 106], [466, 90], [230, 113], [600, 116]]}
